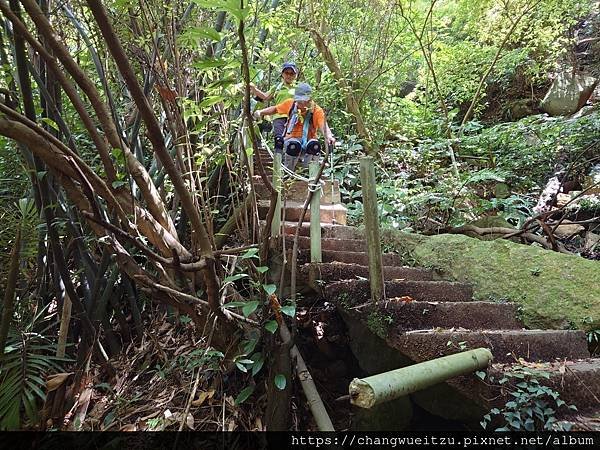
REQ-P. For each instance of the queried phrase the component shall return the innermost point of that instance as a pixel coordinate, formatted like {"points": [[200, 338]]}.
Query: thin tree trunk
{"points": [[9, 294]]}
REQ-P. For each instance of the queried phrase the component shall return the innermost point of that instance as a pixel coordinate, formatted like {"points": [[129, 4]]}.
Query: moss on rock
{"points": [[554, 290]]}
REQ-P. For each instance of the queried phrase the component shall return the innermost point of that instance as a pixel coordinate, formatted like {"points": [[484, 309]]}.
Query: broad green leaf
{"points": [[280, 381], [271, 326], [289, 310], [250, 307], [269, 288], [235, 277], [209, 101], [262, 269], [244, 394], [250, 253]]}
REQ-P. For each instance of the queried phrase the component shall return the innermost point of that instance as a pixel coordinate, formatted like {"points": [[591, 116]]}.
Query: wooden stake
{"points": [[315, 215], [276, 223], [367, 176]]}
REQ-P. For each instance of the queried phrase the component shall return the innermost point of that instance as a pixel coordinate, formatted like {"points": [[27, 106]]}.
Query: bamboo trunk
{"points": [[371, 391]]}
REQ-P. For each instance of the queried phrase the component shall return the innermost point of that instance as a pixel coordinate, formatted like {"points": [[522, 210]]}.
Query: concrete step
{"points": [[358, 291], [389, 259], [506, 345], [349, 245], [342, 271], [297, 191], [335, 213], [402, 315], [328, 230]]}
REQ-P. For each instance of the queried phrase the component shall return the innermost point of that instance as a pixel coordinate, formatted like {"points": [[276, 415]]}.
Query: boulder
{"points": [[568, 93], [553, 290]]}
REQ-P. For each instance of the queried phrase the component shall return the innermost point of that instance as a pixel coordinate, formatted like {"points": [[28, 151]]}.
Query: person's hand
{"points": [[331, 140], [257, 116]]}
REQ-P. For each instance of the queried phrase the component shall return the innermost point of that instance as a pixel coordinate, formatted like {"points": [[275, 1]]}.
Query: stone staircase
{"points": [[424, 317]]}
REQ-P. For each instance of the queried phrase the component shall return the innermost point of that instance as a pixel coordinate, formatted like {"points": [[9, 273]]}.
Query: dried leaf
{"points": [[203, 396], [189, 421], [231, 426], [57, 380], [128, 427]]}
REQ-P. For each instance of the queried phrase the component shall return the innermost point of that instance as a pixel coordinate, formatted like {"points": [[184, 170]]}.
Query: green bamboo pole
{"points": [[315, 215], [371, 391], [367, 177], [276, 223]]}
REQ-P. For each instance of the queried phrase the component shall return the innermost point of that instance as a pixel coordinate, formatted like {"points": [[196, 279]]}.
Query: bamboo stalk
{"points": [[317, 408], [383, 387]]}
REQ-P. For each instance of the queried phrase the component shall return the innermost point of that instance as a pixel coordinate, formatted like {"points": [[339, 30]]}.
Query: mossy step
{"points": [[343, 271], [401, 315], [358, 291], [506, 345]]}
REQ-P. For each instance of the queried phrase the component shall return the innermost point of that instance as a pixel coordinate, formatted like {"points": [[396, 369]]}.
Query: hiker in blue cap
{"points": [[304, 118], [283, 91]]}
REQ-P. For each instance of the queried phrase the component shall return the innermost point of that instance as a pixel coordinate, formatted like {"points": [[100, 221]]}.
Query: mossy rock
{"points": [[554, 290]]}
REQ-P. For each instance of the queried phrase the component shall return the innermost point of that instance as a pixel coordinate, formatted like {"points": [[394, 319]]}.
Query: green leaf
{"points": [[203, 33], [212, 100], [262, 269], [235, 277], [271, 326], [251, 253], [481, 374], [234, 305], [280, 381], [259, 361], [250, 307], [289, 310], [209, 63], [117, 184], [51, 123], [242, 367], [249, 346], [244, 394], [269, 288]]}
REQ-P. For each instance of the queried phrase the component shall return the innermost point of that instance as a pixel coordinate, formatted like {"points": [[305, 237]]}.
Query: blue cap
{"points": [[303, 92], [290, 65]]}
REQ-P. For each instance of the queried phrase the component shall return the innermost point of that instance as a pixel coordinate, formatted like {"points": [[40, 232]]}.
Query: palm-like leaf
{"points": [[26, 362]]}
